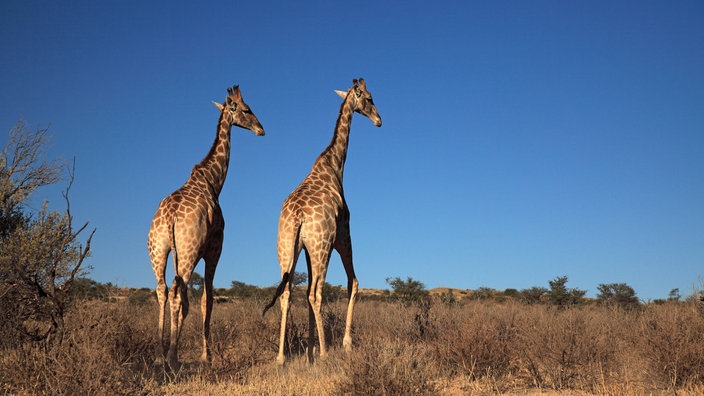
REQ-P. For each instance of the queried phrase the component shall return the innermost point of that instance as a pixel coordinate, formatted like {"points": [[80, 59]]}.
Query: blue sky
{"points": [[521, 140]]}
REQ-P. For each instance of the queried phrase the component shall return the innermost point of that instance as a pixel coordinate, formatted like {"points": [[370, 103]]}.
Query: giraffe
{"points": [[315, 218], [189, 224]]}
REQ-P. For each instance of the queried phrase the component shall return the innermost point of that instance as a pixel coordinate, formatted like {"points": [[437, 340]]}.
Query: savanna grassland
{"points": [[465, 347]]}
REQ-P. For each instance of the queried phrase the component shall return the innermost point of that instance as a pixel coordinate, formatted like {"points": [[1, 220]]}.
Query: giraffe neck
{"points": [[214, 165], [335, 154]]}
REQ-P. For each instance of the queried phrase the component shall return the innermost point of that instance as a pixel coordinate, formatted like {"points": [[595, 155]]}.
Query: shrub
{"points": [[672, 342], [408, 291], [389, 367], [619, 294], [477, 347], [563, 297], [476, 339], [104, 351], [533, 295], [569, 348]]}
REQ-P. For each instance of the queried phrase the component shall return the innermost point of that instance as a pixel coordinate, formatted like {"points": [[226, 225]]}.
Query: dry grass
{"points": [[477, 348]]}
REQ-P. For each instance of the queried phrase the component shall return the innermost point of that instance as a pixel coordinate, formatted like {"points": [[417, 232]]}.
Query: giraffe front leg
{"points": [[207, 309], [179, 311], [311, 314], [311, 333], [352, 286]]}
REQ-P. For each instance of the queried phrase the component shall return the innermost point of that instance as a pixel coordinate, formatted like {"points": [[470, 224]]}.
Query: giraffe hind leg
{"points": [[162, 298], [289, 250], [285, 289], [284, 300], [179, 310], [158, 258], [318, 268]]}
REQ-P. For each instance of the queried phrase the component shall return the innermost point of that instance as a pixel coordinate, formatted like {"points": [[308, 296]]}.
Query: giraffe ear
{"points": [[342, 94], [218, 105]]}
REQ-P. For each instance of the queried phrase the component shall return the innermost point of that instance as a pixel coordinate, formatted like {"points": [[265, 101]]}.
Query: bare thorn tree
{"points": [[40, 253]]}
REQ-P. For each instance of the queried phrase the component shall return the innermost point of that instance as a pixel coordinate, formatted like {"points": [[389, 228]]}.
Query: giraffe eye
{"points": [[247, 111]]}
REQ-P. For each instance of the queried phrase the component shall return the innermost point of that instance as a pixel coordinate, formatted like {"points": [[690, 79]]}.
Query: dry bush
{"points": [[479, 347], [672, 342], [377, 319], [476, 339], [240, 340], [575, 348], [388, 367], [103, 349], [296, 343]]}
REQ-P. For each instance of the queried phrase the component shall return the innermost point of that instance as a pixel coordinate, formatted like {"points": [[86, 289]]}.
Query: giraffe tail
{"points": [[179, 286], [174, 257], [279, 290], [287, 275]]}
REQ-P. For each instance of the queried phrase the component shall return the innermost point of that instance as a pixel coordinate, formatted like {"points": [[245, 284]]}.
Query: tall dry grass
{"points": [[479, 347]]}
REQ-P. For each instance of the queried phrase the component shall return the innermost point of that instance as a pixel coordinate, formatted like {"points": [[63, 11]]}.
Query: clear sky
{"points": [[521, 140]]}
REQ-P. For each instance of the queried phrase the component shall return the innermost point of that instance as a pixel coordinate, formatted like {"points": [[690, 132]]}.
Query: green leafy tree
{"points": [[448, 298], [243, 290], [89, 289], [195, 284], [512, 293], [674, 295], [408, 291], [563, 297], [483, 293], [330, 293], [299, 278], [333, 293], [141, 296], [619, 294], [533, 295]]}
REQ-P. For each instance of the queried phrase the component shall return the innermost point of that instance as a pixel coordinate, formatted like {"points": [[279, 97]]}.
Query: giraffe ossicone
{"points": [[189, 224], [315, 218]]}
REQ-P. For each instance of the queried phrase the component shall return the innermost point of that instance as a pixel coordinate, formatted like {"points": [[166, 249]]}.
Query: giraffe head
{"points": [[362, 101], [236, 112]]}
